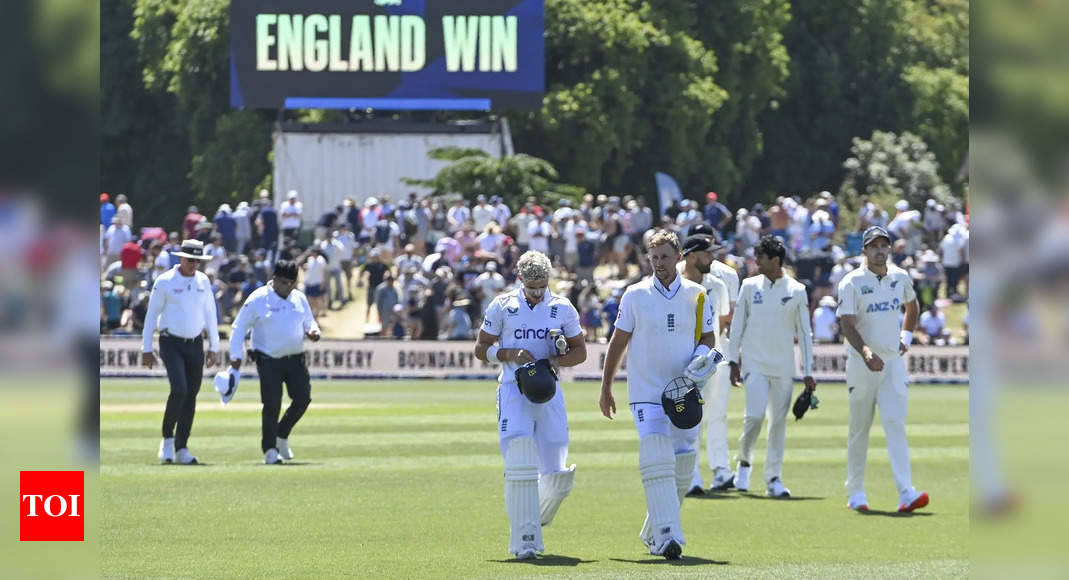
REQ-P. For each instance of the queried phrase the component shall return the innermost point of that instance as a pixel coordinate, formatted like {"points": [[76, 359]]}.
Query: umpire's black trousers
{"points": [[184, 360], [273, 372]]}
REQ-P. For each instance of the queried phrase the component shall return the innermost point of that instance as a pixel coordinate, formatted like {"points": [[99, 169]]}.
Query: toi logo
{"points": [[52, 506]]}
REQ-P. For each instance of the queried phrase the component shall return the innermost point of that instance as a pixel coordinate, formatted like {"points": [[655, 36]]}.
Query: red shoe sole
{"points": [[916, 505]]}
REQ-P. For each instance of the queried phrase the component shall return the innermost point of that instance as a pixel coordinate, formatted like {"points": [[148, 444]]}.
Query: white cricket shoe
{"points": [[166, 452], [858, 502], [272, 458], [527, 554], [184, 457], [283, 446], [777, 489], [723, 479], [742, 478]]}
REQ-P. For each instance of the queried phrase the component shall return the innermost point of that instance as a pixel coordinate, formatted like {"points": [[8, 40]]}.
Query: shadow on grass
{"points": [[547, 560], [894, 514], [792, 498], [685, 561], [713, 495]]}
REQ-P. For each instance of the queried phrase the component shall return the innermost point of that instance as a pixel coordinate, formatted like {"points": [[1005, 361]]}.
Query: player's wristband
{"points": [[907, 337], [491, 353], [701, 350]]}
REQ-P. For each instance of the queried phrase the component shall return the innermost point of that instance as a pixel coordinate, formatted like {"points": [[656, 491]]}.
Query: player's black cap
{"points": [[873, 233], [682, 403], [699, 243], [701, 228], [537, 381]]}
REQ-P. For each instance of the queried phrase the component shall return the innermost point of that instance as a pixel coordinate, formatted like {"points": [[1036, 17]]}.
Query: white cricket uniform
{"points": [[719, 388], [768, 317], [517, 325], [183, 307], [278, 324], [662, 322], [877, 303]]}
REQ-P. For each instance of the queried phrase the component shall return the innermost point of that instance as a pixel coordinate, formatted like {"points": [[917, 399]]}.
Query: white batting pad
{"points": [[552, 489], [521, 496], [656, 461], [685, 464]]}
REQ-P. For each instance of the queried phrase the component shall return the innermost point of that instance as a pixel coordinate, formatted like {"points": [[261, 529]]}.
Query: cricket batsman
{"points": [[532, 332]]}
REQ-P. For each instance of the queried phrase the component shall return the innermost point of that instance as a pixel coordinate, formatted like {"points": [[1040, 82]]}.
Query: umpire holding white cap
{"points": [[182, 305], [279, 317]]}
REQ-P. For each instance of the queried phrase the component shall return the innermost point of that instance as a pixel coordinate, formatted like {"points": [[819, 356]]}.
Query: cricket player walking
{"points": [[870, 300], [520, 327], [670, 329], [772, 311]]}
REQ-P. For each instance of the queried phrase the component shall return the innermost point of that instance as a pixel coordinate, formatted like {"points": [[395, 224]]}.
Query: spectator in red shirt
{"points": [[189, 224], [130, 256]]}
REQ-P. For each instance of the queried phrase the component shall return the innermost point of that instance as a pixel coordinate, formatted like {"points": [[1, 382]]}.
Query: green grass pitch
{"points": [[403, 479]]}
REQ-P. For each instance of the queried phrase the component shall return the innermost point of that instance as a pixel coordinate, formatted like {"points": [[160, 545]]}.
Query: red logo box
{"points": [[52, 506]]}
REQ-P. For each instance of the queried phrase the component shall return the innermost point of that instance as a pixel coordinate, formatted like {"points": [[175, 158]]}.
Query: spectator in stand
{"points": [[227, 227], [488, 285], [832, 206], [315, 277], [291, 214], [821, 227], [458, 215], [385, 299], [609, 311], [747, 230], [450, 250], [115, 238], [375, 270], [899, 256], [954, 247], [489, 244], [934, 222], [327, 222], [465, 237], [124, 210], [349, 246], [369, 217], [111, 307], [799, 227], [387, 237], [242, 228], [334, 252], [779, 220], [408, 259], [502, 213], [641, 220], [217, 252], [589, 307], [841, 268], [688, 214], [907, 226], [458, 324], [520, 224], [758, 211], [931, 329], [130, 256], [482, 214], [421, 214], [716, 214], [928, 277], [191, 221], [268, 230], [825, 322], [352, 217], [107, 210]]}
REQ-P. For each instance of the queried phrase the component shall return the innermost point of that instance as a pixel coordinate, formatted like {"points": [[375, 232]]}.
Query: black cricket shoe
{"points": [[673, 551], [695, 490], [723, 486]]}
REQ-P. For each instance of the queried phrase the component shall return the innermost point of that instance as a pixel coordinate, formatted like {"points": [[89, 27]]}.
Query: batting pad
{"points": [[552, 489], [685, 463], [521, 495], [656, 461]]}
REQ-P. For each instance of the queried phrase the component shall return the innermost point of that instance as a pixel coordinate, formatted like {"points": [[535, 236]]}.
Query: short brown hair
{"points": [[663, 237]]}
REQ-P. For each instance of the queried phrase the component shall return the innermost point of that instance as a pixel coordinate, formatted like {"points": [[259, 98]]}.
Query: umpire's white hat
{"points": [[226, 384]]}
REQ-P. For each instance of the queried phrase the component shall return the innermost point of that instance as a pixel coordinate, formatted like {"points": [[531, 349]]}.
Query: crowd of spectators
{"points": [[429, 266]]}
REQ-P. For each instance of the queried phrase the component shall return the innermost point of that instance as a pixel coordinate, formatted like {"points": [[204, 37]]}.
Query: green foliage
{"points": [[899, 166], [473, 172]]}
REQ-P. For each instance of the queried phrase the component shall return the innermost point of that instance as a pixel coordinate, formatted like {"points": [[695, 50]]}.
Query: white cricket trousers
{"points": [[771, 395], [546, 422], [716, 395], [867, 390]]}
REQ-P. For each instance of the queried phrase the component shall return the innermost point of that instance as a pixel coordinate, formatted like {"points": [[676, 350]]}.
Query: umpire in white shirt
{"points": [[182, 305], [279, 317], [772, 311]]}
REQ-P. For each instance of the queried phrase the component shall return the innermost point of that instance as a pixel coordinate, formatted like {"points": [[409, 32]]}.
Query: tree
{"points": [[474, 172], [889, 165]]}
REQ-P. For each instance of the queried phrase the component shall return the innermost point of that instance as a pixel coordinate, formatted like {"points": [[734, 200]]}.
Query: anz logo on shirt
{"points": [[891, 306]]}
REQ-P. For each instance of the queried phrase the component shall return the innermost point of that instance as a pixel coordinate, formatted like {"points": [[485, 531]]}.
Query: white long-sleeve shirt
{"points": [[662, 322], [768, 317], [277, 324], [182, 306]]}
